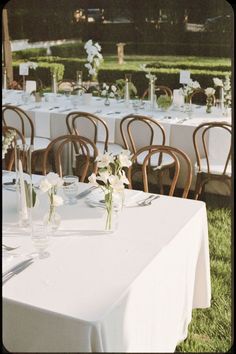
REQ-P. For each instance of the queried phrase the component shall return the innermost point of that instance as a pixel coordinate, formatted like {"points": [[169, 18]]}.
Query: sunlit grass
{"points": [[210, 329]]}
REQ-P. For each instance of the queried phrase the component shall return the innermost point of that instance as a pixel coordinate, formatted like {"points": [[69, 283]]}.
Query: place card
{"points": [[23, 69], [178, 98], [184, 77], [30, 86]]}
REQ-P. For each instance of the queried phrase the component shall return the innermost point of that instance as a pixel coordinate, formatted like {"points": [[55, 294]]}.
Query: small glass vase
{"points": [[52, 220], [107, 101], [113, 206], [208, 108], [188, 110]]}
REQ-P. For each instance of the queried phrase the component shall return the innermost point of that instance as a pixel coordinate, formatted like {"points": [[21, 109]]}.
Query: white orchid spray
{"points": [[226, 85], [7, 140], [109, 91], [94, 57], [50, 184], [149, 76], [31, 65], [111, 178]]}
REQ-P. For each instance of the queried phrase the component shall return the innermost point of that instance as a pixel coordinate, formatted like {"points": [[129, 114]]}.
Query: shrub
{"points": [[44, 72], [27, 53]]}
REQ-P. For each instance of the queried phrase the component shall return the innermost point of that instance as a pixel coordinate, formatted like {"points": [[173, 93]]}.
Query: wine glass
{"points": [[40, 239], [70, 189]]}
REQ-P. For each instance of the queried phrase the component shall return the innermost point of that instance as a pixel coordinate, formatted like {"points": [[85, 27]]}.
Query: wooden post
{"points": [[7, 47], [120, 52]]}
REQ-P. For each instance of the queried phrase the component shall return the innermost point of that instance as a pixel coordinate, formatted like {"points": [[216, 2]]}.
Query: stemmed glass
{"points": [[70, 189], [136, 105]]}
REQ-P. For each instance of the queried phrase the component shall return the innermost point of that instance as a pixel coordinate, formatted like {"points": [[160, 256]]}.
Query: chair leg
{"points": [[198, 187], [161, 182]]}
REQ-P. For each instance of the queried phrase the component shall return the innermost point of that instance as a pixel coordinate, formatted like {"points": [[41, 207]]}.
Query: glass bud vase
{"points": [[113, 207], [107, 101], [52, 220]]}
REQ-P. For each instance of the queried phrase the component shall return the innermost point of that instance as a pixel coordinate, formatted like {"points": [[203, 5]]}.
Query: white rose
{"points": [[112, 94], [217, 82], [56, 200], [44, 185], [104, 92], [54, 179], [209, 91], [93, 179], [113, 87]]}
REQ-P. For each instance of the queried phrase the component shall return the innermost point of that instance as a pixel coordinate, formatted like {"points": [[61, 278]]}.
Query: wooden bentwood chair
{"points": [[10, 154], [21, 121], [83, 145], [140, 131], [199, 96], [159, 89], [152, 153], [213, 167]]}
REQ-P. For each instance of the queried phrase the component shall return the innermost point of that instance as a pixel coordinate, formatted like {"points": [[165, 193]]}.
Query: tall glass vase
{"points": [[24, 188], [113, 207]]}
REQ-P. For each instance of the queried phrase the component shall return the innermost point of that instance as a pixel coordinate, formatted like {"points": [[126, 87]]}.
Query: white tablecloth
{"points": [[131, 291], [178, 134]]}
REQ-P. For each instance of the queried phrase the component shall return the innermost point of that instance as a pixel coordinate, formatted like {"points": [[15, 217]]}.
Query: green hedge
{"points": [[27, 53], [69, 50], [43, 72], [167, 77], [71, 65]]}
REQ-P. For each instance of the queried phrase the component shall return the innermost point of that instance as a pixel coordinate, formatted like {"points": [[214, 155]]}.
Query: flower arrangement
{"points": [[120, 85], [164, 101], [50, 184], [188, 89], [31, 65], [94, 57], [209, 91], [226, 86], [7, 140], [111, 178], [108, 91]]}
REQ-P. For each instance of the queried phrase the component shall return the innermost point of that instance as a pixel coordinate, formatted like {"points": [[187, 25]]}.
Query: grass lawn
{"points": [[210, 329]]}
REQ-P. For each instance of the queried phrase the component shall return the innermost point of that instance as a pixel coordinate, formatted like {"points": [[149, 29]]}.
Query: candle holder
{"points": [[127, 88], [54, 83], [24, 188]]}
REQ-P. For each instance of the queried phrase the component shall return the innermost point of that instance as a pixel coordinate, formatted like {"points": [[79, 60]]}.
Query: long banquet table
{"points": [[129, 291], [50, 123]]}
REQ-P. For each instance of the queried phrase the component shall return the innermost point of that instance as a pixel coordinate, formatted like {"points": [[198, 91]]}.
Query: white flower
{"points": [[44, 185], [112, 95], [88, 44], [104, 160], [88, 66], [217, 82], [104, 93], [56, 200], [113, 88], [92, 179], [103, 177], [32, 65], [54, 179], [116, 184], [143, 66], [98, 46], [209, 91], [194, 84], [123, 178], [124, 158]]}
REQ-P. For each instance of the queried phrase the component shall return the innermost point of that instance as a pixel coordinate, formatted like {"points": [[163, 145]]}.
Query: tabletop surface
{"points": [[84, 264]]}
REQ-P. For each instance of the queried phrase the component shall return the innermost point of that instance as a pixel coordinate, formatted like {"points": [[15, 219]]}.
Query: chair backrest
{"points": [[199, 96], [213, 141], [66, 85], [159, 89], [87, 124], [178, 157], [139, 131], [84, 146], [10, 154], [18, 119]]}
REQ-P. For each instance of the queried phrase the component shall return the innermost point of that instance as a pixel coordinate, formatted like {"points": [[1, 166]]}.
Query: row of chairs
{"points": [[160, 157]]}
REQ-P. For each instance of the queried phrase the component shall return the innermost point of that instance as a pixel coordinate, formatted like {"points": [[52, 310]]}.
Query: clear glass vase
{"points": [[52, 220], [113, 206], [107, 101]]}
